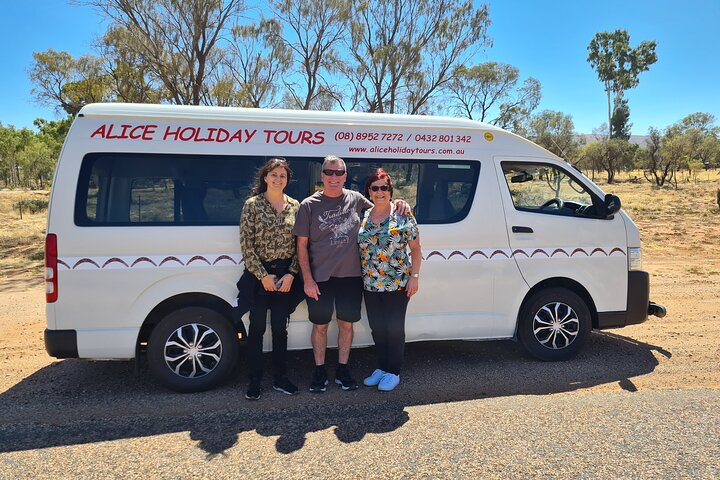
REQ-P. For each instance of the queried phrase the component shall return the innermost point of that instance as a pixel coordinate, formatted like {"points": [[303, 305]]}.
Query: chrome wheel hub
{"points": [[556, 325], [193, 350]]}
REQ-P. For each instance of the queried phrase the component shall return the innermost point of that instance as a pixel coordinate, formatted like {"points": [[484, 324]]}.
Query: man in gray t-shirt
{"points": [[326, 227]]}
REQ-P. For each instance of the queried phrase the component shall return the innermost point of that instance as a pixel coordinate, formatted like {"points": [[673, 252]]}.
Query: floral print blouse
{"points": [[384, 255]]}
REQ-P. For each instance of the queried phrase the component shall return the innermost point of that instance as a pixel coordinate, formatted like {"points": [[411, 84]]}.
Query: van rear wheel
{"points": [[192, 349], [554, 324]]}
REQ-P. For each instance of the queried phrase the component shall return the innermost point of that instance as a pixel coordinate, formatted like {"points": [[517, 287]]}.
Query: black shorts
{"points": [[343, 294]]}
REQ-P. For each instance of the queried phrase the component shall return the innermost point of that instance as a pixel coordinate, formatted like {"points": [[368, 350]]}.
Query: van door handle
{"points": [[517, 229]]}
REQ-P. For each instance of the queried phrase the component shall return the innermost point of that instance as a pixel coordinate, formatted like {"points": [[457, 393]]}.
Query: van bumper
{"points": [[61, 343], [638, 300]]}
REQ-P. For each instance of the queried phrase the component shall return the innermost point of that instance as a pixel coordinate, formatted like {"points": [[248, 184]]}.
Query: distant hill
{"points": [[636, 139]]}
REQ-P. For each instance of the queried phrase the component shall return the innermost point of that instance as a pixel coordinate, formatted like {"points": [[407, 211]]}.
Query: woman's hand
{"points": [[268, 283], [286, 282], [412, 286]]}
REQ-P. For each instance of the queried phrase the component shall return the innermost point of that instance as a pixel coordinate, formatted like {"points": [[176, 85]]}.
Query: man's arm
{"points": [[303, 256]]}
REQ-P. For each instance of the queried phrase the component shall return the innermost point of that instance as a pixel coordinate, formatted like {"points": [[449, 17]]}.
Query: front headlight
{"points": [[634, 258]]}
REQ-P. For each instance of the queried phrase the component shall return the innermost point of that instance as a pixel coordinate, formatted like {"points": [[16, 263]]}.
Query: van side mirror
{"points": [[612, 204]]}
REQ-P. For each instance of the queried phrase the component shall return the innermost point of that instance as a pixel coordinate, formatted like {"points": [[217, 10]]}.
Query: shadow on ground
{"points": [[75, 402]]}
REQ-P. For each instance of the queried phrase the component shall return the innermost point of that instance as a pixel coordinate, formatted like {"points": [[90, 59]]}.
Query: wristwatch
{"points": [[416, 275]]}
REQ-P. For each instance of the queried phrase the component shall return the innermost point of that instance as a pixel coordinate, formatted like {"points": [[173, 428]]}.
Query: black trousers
{"points": [[279, 306], [386, 315]]}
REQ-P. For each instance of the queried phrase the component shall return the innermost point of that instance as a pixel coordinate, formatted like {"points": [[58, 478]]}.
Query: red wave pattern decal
{"points": [[85, 260], [143, 259], [433, 253], [114, 260], [223, 257], [198, 257], [171, 259]]}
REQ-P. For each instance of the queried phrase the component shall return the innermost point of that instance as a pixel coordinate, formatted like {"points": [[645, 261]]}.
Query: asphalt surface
{"points": [[463, 410]]}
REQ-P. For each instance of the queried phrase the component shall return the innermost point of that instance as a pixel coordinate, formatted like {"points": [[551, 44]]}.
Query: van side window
{"points": [[149, 189], [125, 189], [439, 191], [548, 189]]}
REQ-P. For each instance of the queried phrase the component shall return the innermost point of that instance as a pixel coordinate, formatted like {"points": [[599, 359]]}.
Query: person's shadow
{"points": [[101, 401]]}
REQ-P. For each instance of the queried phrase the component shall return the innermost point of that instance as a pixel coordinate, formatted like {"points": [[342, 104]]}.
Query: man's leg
{"points": [[320, 313], [348, 300], [318, 338], [345, 339]]}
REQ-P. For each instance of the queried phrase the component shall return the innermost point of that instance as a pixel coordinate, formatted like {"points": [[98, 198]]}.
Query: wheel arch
{"points": [[562, 282], [183, 300]]}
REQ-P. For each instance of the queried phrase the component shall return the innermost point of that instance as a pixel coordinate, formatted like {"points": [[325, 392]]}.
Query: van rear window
{"points": [[126, 189]]}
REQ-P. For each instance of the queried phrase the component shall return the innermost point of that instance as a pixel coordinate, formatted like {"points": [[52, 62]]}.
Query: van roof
{"points": [[276, 115]]}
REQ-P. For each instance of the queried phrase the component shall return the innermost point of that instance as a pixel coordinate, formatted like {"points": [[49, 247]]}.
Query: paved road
{"points": [[464, 409]]}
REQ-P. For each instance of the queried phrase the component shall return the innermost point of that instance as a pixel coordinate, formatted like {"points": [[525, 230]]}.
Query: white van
{"points": [[142, 249]]}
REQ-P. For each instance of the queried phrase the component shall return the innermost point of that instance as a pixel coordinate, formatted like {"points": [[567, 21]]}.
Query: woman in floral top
{"points": [[390, 277], [268, 248]]}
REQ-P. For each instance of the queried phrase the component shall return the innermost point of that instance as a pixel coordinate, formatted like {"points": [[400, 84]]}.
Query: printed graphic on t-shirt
{"points": [[339, 222]]}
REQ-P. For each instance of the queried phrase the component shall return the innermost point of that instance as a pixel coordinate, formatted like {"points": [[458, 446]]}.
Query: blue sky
{"points": [[544, 39]]}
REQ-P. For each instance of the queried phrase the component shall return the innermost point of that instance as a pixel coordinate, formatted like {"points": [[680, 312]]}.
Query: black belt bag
{"points": [[278, 267]]}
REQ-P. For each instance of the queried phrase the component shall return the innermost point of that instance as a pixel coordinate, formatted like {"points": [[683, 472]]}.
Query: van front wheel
{"points": [[192, 349], [554, 324]]}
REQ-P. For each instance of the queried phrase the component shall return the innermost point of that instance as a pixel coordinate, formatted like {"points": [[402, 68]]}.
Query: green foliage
{"points": [[67, 83], [33, 206], [618, 66], [404, 52], [489, 92], [27, 159], [620, 122], [556, 132]]}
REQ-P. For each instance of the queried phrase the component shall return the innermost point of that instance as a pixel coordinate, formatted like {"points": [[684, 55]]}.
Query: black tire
{"points": [[554, 324], [176, 362]]}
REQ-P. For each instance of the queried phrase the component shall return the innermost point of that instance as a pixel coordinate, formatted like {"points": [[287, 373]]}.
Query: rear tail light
{"points": [[51, 274]]}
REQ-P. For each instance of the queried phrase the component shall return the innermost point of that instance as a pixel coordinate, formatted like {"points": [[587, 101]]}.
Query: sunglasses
{"points": [[375, 188], [330, 173]]}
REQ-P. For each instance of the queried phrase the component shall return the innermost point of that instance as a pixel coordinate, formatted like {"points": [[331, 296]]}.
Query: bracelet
{"points": [[415, 275]]}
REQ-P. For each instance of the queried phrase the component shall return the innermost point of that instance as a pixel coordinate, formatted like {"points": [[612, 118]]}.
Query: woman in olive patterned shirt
{"points": [[268, 249]]}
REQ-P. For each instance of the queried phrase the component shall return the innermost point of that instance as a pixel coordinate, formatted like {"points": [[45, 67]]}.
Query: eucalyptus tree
{"points": [[177, 40], [659, 165], [130, 78], [489, 92], [313, 32], [254, 66], [554, 131], [618, 67], [66, 83], [405, 51]]}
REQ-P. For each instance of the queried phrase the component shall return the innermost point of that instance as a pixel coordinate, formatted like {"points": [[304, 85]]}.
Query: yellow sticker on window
{"points": [[489, 136]]}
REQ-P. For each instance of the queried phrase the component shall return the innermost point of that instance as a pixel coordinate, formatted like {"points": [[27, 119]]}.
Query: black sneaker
{"points": [[284, 385], [319, 381], [253, 391], [344, 379]]}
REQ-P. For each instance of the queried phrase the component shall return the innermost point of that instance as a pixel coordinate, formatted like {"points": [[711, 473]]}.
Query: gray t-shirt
{"points": [[332, 225]]}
